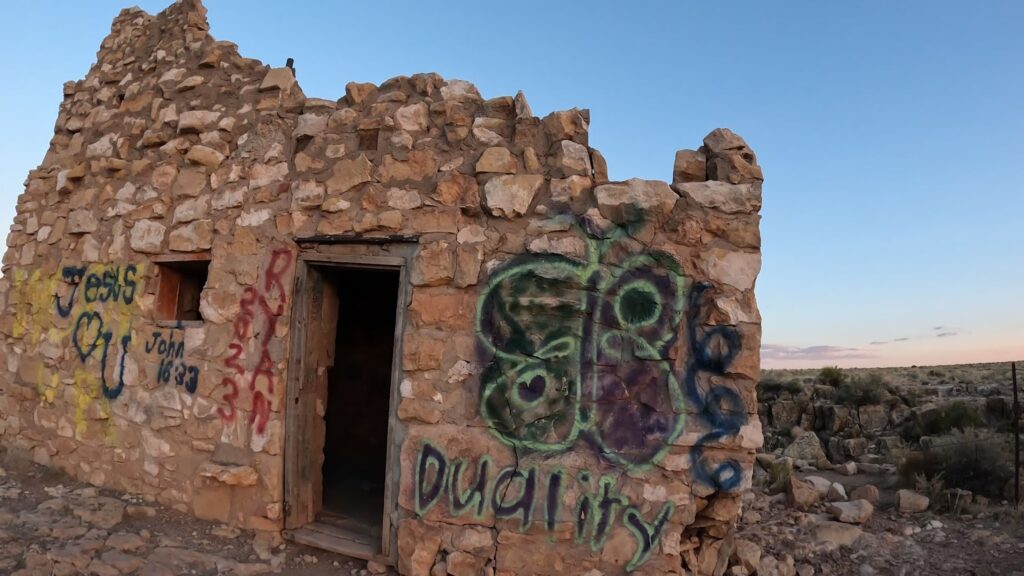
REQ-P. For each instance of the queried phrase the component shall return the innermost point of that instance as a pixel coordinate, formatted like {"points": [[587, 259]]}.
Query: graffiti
{"points": [[171, 350], [712, 350], [33, 316], [92, 336], [107, 285], [513, 493], [579, 350], [256, 323], [86, 311]]}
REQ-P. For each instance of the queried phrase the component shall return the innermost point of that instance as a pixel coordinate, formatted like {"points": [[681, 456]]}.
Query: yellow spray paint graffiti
{"points": [[33, 325], [90, 307]]}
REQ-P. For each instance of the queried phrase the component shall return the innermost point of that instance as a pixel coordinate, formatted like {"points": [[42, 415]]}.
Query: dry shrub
{"points": [[958, 415], [831, 376], [769, 387], [862, 391], [974, 460]]}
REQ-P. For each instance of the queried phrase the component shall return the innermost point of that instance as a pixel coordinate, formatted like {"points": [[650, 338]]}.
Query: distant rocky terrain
{"points": [[919, 419], [884, 471]]}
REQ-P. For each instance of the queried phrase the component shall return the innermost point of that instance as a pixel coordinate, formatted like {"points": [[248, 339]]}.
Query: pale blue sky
{"points": [[890, 133]]}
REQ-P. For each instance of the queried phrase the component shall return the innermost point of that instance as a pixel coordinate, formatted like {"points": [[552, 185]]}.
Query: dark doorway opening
{"points": [[341, 459], [359, 398]]}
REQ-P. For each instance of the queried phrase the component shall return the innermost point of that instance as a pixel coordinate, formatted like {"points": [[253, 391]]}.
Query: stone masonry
{"points": [[579, 357]]}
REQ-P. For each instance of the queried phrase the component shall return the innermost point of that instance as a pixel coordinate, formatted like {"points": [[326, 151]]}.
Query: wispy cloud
{"points": [[945, 334], [939, 328], [904, 339], [820, 352], [879, 343]]}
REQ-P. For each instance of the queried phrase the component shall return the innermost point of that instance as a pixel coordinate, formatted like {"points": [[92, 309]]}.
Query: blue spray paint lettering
{"points": [[513, 492], [171, 349], [106, 286]]}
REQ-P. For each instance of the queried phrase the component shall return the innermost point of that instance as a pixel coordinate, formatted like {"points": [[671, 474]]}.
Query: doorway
{"points": [[340, 493], [358, 399]]}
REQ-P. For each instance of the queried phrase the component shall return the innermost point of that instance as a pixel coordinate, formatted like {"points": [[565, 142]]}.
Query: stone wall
{"points": [[579, 357]]}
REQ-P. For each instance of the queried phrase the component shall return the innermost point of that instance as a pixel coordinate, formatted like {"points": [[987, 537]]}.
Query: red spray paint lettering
{"points": [[269, 302]]}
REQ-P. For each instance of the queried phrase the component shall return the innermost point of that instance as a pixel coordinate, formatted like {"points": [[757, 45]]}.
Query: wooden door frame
{"points": [[351, 255]]}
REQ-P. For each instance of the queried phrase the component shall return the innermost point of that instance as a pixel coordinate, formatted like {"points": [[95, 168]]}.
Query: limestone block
{"points": [[104, 146], [403, 199], [801, 495], [413, 118], [147, 236], [737, 269], [836, 534], [690, 166], [190, 182], [278, 79], [730, 159], [866, 492], [254, 217], [81, 221], [348, 174], [163, 176], [420, 165], [204, 155], [836, 493], [735, 167], [194, 237], [566, 125], [729, 198], [191, 209], [522, 107], [434, 265], [511, 196], [497, 159], [635, 199], [723, 140], [468, 260], [309, 125], [747, 554], [487, 131], [454, 189], [229, 197], [873, 417], [194, 121], [336, 204], [853, 512], [261, 175], [821, 485], [459, 89], [910, 502], [359, 92], [568, 190], [807, 447], [572, 158], [190, 83], [231, 475], [307, 194], [418, 544]]}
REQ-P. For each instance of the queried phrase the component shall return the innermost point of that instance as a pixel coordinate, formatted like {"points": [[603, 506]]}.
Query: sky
{"points": [[889, 132]]}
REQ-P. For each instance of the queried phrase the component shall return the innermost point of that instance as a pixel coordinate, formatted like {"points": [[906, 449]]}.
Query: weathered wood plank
{"points": [[335, 540]]}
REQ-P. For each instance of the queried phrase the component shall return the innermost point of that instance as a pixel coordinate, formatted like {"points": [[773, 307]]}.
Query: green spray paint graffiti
{"points": [[516, 493], [578, 350]]}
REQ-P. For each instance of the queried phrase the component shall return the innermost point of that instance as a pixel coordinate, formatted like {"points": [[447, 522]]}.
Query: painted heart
{"points": [[88, 333]]}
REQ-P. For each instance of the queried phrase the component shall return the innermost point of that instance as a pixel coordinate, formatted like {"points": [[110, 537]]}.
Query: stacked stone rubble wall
{"points": [[579, 359]]}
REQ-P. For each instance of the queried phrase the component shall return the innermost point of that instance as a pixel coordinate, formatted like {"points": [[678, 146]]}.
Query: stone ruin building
{"points": [[412, 324]]}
